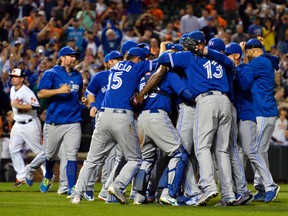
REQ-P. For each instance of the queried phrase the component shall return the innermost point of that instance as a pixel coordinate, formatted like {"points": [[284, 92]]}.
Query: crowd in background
{"points": [[32, 32]]}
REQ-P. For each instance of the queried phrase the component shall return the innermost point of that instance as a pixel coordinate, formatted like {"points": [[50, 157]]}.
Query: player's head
{"points": [[253, 48], [17, 76], [106, 59], [217, 44], [67, 57], [233, 51], [127, 45], [136, 54], [114, 57], [174, 47], [194, 42], [182, 37], [146, 48]]}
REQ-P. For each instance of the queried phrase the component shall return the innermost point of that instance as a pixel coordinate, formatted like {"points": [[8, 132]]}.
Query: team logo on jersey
{"points": [[33, 100]]}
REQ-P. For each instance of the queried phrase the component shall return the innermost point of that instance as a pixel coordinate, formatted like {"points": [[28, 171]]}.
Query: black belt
{"points": [[25, 122], [120, 111], [191, 103], [211, 93]]}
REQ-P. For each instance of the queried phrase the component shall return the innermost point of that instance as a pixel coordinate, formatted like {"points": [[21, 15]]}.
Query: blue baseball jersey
{"points": [[202, 73], [62, 108], [123, 81], [262, 68], [97, 87], [243, 96], [160, 98]]}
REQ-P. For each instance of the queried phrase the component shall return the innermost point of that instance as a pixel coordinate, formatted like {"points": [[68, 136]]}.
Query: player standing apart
{"points": [[62, 86], [27, 127]]}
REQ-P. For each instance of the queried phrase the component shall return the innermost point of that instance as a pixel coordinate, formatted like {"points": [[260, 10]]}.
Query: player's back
{"points": [[123, 80]]}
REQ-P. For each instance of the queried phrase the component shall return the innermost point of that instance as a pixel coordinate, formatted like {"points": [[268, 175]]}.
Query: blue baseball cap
{"points": [[127, 45], [174, 46], [182, 37], [197, 35], [67, 50], [115, 55], [253, 43], [232, 48], [216, 44], [106, 58], [146, 47], [136, 51]]}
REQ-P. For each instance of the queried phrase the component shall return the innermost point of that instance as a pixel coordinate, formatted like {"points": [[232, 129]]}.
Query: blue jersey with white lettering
{"points": [[160, 96], [97, 87], [62, 108], [202, 73], [123, 81]]}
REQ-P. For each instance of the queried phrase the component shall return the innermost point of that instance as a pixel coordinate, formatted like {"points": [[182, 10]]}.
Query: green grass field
{"points": [[29, 201]]}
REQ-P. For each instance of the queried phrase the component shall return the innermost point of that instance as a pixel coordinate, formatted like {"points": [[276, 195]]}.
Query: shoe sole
{"points": [[19, 185], [277, 191], [120, 197], [27, 182], [102, 198], [203, 202]]}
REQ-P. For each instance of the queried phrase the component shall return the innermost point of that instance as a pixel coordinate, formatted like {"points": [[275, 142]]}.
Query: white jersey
{"points": [[23, 95]]}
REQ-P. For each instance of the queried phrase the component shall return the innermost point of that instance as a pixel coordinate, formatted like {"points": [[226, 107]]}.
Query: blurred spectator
{"points": [[210, 30], [123, 15], [203, 19], [230, 11], [153, 8], [255, 29], [100, 8], [111, 39], [51, 31], [189, 22], [146, 36], [58, 12], [73, 30], [33, 30], [111, 15], [268, 31], [220, 22], [168, 32], [282, 34], [134, 10], [279, 96], [247, 11], [144, 22], [86, 15], [89, 43], [279, 135], [240, 35], [131, 33], [5, 27]]}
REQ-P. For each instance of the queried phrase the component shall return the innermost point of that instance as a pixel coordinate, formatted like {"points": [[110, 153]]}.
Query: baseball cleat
{"points": [[118, 195], [139, 199], [29, 182], [111, 199], [168, 200], [243, 199], [89, 195], [206, 197], [271, 195], [46, 184], [75, 200], [229, 202], [103, 194], [191, 201], [70, 192], [18, 183], [259, 196], [62, 190]]}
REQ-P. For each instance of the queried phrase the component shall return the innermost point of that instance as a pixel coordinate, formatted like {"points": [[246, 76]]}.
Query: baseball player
{"points": [[153, 117], [261, 69], [62, 86], [27, 126], [243, 195], [122, 83], [95, 94], [213, 111]]}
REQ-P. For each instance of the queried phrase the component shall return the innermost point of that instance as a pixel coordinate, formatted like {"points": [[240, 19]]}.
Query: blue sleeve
{"points": [[94, 85], [222, 59], [145, 66], [244, 77], [46, 81], [179, 86], [175, 59], [164, 60]]}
